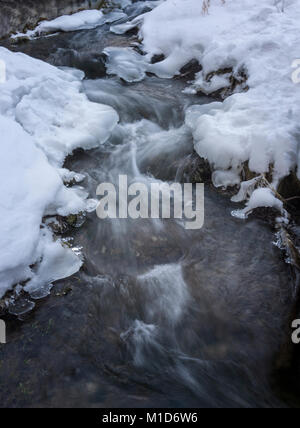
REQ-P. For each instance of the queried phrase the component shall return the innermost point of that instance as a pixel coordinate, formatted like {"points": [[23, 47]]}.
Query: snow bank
{"points": [[28, 186], [50, 106], [83, 20], [254, 37], [43, 117]]}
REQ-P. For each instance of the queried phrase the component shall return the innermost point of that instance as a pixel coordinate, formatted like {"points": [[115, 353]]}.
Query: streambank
{"points": [[19, 16]]}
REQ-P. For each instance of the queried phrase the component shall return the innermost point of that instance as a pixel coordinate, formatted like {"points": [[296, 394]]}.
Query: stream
{"points": [[159, 316]]}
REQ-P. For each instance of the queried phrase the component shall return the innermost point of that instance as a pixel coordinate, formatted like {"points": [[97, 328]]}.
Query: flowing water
{"points": [[159, 316]]}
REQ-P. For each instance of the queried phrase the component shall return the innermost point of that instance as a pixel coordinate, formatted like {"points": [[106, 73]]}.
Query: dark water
{"points": [[159, 316]]}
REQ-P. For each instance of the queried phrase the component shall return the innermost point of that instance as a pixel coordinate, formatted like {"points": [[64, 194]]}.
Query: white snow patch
{"points": [[43, 117]]}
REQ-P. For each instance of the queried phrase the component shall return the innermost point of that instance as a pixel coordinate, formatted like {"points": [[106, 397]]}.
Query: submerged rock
{"points": [[92, 63]]}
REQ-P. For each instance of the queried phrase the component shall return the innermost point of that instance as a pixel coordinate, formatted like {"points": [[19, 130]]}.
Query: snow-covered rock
{"points": [[16, 16], [43, 117], [83, 20]]}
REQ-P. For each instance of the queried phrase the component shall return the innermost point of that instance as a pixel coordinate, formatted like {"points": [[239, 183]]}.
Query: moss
{"points": [[71, 220]]}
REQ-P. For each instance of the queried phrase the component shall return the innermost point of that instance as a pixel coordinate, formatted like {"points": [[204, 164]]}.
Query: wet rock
{"points": [[190, 70], [136, 9], [3, 307], [246, 173], [267, 214], [92, 64], [198, 169], [76, 220], [62, 225], [289, 189], [157, 58], [237, 82]]}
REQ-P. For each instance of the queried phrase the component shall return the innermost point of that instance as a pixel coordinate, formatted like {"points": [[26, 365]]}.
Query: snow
{"points": [[83, 20], [252, 37], [225, 178], [43, 117], [28, 185], [78, 21], [262, 197], [50, 106], [215, 84], [60, 119]]}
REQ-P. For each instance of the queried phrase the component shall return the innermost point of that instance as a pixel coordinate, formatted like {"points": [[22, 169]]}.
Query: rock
{"points": [[237, 82], [75, 220], [197, 169], [92, 63], [289, 187], [266, 214], [190, 70], [157, 58]]}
